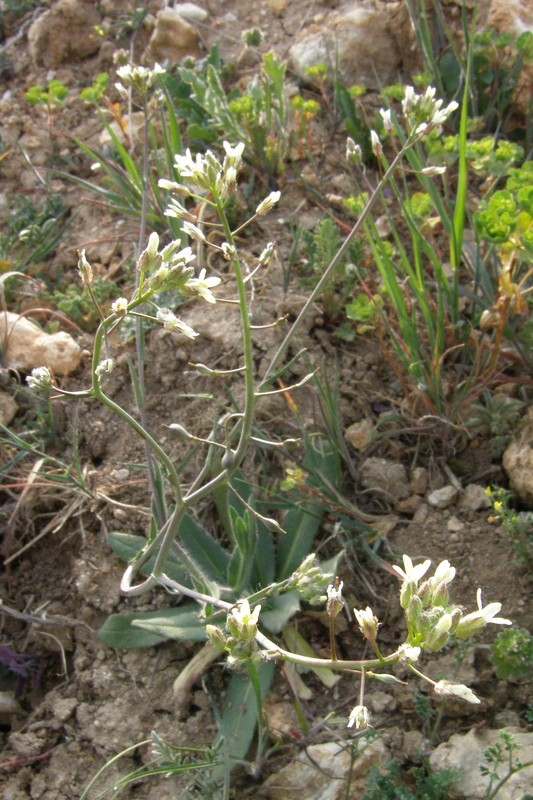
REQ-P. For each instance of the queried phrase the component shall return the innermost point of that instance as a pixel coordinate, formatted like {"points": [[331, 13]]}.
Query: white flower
{"points": [[354, 154], [139, 77], [431, 171], [447, 689], [172, 186], [267, 204], [104, 367], [267, 254], [376, 144], [435, 587], [202, 286], [84, 268], [360, 717], [408, 654], [476, 620], [233, 154], [441, 115], [120, 307], [243, 615], [386, 117], [177, 259], [153, 244], [191, 168], [178, 211], [228, 251], [193, 231], [335, 601], [40, 380], [408, 101], [241, 621], [411, 573], [368, 623], [171, 322]]}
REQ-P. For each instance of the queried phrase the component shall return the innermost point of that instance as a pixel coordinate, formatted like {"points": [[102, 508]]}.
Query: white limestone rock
{"points": [[518, 462], [466, 753], [65, 33], [357, 41], [26, 346], [173, 38]]}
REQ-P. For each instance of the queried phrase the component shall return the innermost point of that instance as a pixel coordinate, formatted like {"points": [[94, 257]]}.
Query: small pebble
{"points": [[442, 498]]}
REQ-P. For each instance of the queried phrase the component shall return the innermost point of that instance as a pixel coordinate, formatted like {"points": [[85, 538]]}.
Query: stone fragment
{"points": [[359, 435], [191, 12], [173, 38], [357, 43], [381, 702], [421, 515], [409, 505], [473, 497], [65, 33], [455, 525], [385, 478], [443, 498], [419, 480], [467, 754], [8, 408], [26, 346], [518, 462], [320, 772], [282, 718], [63, 707]]}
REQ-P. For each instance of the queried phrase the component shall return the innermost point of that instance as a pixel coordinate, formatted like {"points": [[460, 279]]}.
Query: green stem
{"points": [[504, 780], [131, 421], [317, 291], [247, 420]]}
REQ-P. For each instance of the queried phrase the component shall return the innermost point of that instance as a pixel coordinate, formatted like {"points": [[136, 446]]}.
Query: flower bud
{"points": [[386, 118], [377, 149], [216, 637], [430, 172], [171, 322], [267, 204], [335, 602], [360, 717], [193, 231], [120, 306], [84, 268], [104, 368], [368, 623], [172, 186], [267, 254], [354, 155], [448, 689], [439, 634], [228, 251]]}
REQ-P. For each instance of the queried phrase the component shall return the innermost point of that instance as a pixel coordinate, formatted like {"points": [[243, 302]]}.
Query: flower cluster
{"points": [[138, 78], [207, 172], [423, 111], [40, 381], [310, 581], [431, 619], [239, 639]]}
